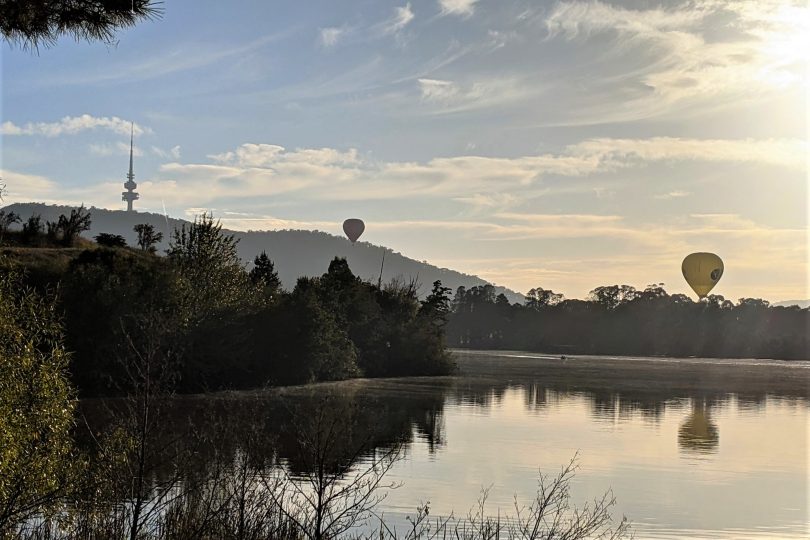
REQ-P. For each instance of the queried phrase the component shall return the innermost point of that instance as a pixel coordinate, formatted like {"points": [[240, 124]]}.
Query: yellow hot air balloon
{"points": [[353, 228], [702, 271]]}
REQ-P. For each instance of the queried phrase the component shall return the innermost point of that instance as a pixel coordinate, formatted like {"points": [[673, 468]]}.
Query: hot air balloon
{"points": [[353, 228], [702, 271]]}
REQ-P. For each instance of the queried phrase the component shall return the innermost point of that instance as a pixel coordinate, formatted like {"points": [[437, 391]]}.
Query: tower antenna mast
{"points": [[130, 195]]}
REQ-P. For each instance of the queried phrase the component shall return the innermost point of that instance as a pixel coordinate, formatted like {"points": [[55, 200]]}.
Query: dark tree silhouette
{"points": [[32, 229], [6, 220], [619, 319], [264, 272], [147, 237], [111, 240], [32, 23], [67, 229], [539, 297]]}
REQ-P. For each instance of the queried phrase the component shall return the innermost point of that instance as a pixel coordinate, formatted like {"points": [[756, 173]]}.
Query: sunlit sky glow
{"points": [[557, 144]]}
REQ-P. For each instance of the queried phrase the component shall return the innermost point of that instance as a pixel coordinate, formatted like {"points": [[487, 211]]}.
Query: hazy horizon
{"points": [[564, 145]]}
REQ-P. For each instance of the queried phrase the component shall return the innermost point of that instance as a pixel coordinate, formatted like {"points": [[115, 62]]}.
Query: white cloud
{"points": [[703, 54], [448, 97], [171, 153], [789, 153], [252, 171], [437, 90], [22, 187], [70, 125], [257, 170], [489, 200], [672, 195], [119, 148], [457, 7], [329, 37], [402, 16], [581, 19], [271, 155]]}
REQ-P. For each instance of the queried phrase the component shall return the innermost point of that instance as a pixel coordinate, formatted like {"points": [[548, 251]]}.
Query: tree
{"points": [[612, 296], [32, 229], [147, 237], [333, 492], [150, 364], [436, 307], [35, 22], [6, 220], [264, 273], [111, 240], [539, 297], [211, 272], [67, 229], [36, 403], [753, 303]]}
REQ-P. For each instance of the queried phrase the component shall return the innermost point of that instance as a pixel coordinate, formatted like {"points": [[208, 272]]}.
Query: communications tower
{"points": [[130, 195]]}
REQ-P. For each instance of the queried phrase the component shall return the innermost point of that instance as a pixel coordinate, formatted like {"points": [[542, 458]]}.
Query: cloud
{"points": [[489, 200], [119, 148], [582, 19], [448, 97], [255, 170], [173, 152], [271, 155], [257, 223], [701, 55], [186, 56], [22, 187], [329, 37], [672, 195], [457, 7], [437, 90], [71, 125], [402, 16], [789, 153]]}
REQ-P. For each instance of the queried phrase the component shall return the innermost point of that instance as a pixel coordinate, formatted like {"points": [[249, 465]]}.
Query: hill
{"points": [[787, 303], [295, 253]]}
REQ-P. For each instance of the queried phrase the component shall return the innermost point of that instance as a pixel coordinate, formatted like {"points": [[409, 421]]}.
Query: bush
{"points": [[36, 403]]}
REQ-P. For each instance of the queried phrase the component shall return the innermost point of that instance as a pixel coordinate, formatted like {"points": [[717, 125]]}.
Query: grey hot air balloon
{"points": [[353, 228]]}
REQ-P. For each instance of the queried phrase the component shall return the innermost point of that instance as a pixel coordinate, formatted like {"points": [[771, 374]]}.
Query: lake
{"points": [[697, 448]]}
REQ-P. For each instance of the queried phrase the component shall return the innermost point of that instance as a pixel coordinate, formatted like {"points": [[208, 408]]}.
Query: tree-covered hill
{"points": [[295, 253]]}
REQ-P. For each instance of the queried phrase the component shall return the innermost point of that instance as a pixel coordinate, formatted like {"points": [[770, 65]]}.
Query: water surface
{"points": [[692, 448]]}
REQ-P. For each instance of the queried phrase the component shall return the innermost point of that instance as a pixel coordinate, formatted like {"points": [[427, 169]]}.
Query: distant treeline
{"points": [[212, 323], [621, 320]]}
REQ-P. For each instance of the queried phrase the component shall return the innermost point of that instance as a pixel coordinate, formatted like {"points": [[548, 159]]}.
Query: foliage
{"points": [[6, 220], [32, 230], [111, 240], [35, 22], [147, 237], [264, 273], [332, 493], [36, 403], [619, 319], [237, 329], [540, 297], [102, 290], [212, 279], [68, 228]]}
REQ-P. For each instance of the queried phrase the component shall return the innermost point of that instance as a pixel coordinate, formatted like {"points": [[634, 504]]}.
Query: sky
{"points": [[563, 145]]}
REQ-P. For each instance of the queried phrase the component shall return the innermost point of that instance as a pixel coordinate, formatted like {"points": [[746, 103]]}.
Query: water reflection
{"points": [[504, 417], [387, 412], [698, 433]]}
